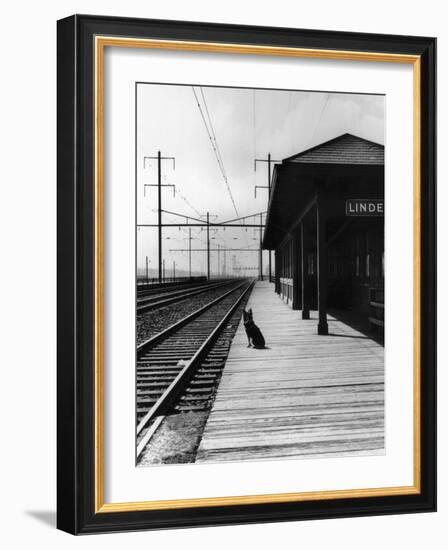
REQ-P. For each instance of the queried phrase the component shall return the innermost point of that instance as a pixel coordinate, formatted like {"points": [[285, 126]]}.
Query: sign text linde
{"points": [[364, 207]]}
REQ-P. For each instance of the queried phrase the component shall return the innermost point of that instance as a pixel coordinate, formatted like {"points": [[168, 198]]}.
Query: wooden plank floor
{"points": [[305, 396]]}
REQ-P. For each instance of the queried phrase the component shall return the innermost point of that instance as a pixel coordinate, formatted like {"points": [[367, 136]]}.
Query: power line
{"points": [[217, 149], [254, 122], [214, 143], [320, 118], [213, 132], [187, 202]]}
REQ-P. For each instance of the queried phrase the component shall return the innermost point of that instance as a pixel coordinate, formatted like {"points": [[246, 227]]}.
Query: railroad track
{"points": [[177, 369], [169, 288], [173, 296]]}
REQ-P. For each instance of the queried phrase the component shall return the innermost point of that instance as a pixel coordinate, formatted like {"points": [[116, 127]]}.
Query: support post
{"points": [[304, 266], [270, 266], [277, 271], [269, 161], [261, 249], [296, 273], [322, 275], [269, 197]]}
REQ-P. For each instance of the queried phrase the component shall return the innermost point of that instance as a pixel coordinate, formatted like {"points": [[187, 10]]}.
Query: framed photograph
{"points": [[246, 274]]}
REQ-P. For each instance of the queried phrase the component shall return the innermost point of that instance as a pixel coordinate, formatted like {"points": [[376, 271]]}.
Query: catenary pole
{"points": [[269, 161], [159, 202], [208, 246]]}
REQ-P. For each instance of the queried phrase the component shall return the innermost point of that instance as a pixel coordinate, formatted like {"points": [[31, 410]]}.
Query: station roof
{"points": [[293, 180], [344, 149]]}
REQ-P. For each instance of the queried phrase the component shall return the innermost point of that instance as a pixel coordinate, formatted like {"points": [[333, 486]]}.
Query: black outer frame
{"points": [[75, 310]]}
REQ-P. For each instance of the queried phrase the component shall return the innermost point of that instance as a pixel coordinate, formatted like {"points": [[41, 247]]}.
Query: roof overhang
{"points": [[294, 189]]}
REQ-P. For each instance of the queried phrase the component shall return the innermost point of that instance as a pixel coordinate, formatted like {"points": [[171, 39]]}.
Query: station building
{"points": [[325, 222]]}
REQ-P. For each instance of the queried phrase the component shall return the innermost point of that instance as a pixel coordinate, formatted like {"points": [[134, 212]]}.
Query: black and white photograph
{"points": [[220, 266], [260, 271]]}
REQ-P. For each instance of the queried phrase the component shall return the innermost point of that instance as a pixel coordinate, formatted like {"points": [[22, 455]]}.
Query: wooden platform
{"points": [[305, 396]]}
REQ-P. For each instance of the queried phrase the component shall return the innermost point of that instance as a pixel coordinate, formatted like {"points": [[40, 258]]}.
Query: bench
{"points": [[376, 305]]}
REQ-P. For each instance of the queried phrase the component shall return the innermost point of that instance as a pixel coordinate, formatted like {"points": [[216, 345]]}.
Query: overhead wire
{"points": [[187, 202], [320, 118], [221, 162], [219, 158], [214, 143]]}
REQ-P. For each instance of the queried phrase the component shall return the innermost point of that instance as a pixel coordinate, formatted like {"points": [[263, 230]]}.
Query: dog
{"points": [[254, 335]]}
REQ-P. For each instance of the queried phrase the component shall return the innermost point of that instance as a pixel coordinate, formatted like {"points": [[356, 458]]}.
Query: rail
{"points": [[156, 414], [171, 297]]}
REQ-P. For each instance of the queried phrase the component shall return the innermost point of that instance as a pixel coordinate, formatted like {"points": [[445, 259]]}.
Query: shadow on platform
{"points": [[312, 396]]}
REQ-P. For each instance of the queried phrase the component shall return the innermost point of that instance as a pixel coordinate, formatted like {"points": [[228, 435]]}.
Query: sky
{"points": [[245, 124]]}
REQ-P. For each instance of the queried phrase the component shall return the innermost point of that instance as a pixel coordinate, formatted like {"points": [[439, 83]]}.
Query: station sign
{"points": [[364, 207]]}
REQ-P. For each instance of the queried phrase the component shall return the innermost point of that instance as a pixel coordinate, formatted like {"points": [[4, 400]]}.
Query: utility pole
{"points": [[208, 246], [196, 222], [269, 160], [189, 239], [207, 226], [159, 193], [189, 250], [159, 213]]}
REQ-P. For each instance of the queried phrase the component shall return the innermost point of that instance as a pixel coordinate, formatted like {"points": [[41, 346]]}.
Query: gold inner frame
{"points": [[101, 42]]}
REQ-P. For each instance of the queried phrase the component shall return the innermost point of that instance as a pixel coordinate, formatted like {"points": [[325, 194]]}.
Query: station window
{"points": [[310, 263]]}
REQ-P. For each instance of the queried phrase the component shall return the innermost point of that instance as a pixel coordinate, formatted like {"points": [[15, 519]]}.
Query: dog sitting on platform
{"points": [[254, 335]]}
